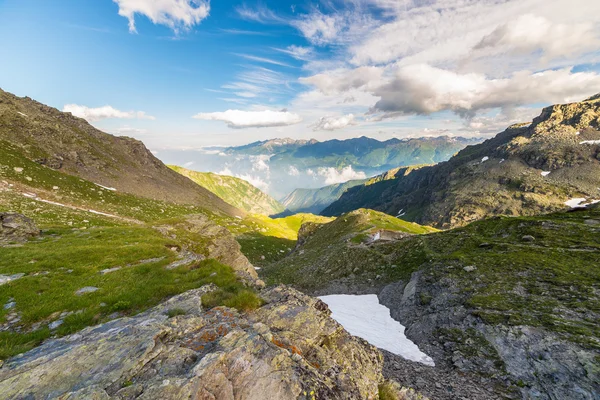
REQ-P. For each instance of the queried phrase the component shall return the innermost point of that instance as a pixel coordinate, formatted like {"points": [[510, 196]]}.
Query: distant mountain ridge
{"points": [[234, 191], [363, 153], [525, 170]]}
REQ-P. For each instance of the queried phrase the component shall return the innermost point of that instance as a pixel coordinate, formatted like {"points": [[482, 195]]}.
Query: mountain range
{"points": [[526, 170], [280, 166]]}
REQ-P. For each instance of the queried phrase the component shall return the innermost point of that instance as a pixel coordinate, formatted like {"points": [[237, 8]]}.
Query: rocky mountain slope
{"points": [[69, 144], [234, 191], [525, 170], [508, 305]]}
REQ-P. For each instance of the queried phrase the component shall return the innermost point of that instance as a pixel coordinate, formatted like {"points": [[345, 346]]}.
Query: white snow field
{"points": [[364, 317]]}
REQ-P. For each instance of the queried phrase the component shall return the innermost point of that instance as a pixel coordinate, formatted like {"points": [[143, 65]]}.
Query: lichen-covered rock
{"points": [[16, 228], [288, 349]]}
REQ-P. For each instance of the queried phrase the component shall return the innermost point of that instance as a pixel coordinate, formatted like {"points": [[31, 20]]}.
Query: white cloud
{"points": [[188, 164], [262, 59], [293, 171], [260, 162], [252, 119], [319, 28], [529, 33], [332, 175], [329, 123], [342, 80], [176, 14], [259, 13], [255, 181], [297, 52], [105, 112], [422, 89]]}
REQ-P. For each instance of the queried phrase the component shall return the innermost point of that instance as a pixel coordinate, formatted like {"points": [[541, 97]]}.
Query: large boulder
{"points": [[288, 349], [16, 228]]}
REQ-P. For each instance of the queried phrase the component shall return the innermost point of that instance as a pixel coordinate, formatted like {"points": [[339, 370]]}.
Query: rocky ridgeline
{"points": [[528, 169], [288, 349]]}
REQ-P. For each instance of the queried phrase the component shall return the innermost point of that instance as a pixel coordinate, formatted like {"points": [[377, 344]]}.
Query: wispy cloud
{"points": [[259, 13], [244, 32], [262, 60]]}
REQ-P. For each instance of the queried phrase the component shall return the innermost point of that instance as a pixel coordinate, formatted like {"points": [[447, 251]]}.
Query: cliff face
{"points": [[525, 170], [69, 144], [288, 349]]}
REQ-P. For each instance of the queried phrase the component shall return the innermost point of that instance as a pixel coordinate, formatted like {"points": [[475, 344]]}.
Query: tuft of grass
{"points": [[175, 312], [388, 392], [242, 299]]}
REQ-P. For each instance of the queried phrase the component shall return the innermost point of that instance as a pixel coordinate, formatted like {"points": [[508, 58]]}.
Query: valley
{"points": [[504, 302]]}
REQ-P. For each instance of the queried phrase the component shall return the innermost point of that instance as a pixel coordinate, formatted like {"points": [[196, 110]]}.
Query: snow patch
{"points": [[546, 173], [20, 113], [364, 317], [579, 202], [484, 159], [107, 188], [590, 142]]}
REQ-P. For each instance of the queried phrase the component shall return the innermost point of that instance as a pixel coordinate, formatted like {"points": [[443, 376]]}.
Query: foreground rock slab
{"points": [[288, 349], [16, 228]]}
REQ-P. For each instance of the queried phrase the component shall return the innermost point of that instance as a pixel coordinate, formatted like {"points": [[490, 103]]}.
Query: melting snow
{"points": [[545, 173], [364, 317], [401, 213], [484, 159], [590, 142]]}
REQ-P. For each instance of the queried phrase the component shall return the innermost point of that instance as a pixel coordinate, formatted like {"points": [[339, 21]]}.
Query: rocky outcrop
{"points": [[209, 240], [16, 228], [532, 361], [288, 349]]}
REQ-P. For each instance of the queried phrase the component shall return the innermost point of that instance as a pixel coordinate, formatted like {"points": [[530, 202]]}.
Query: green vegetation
{"points": [[335, 250], [388, 392], [234, 191], [551, 281]]}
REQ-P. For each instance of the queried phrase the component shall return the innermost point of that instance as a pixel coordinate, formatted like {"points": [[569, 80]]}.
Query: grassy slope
{"points": [[334, 250], [234, 191], [76, 245]]}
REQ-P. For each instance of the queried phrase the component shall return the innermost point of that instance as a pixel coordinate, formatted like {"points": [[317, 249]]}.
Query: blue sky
{"points": [[187, 74]]}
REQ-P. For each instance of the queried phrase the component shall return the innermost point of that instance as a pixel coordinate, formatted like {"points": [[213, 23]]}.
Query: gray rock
{"points": [[16, 228], [276, 351], [109, 270], [4, 279], [470, 268], [85, 290], [528, 238], [55, 324]]}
